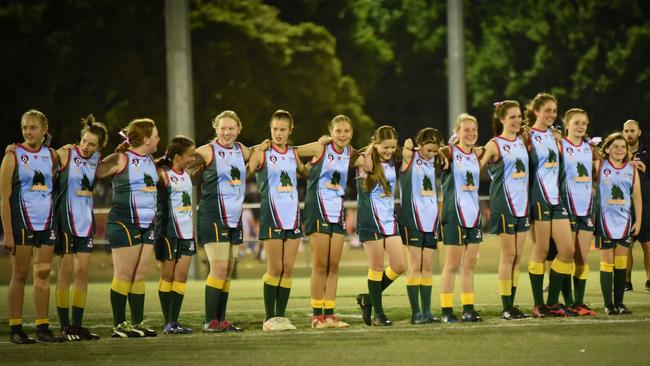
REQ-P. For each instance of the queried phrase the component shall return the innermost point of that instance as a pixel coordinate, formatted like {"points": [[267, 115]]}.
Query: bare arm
{"points": [[6, 175], [254, 162], [407, 153], [310, 150], [367, 158], [248, 151], [111, 165], [637, 203], [490, 153], [63, 154]]}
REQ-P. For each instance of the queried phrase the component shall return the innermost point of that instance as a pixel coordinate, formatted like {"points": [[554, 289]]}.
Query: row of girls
{"points": [[559, 204]]}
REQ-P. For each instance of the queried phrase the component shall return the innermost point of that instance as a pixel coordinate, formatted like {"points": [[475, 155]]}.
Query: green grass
{"points": [[598, 340]]}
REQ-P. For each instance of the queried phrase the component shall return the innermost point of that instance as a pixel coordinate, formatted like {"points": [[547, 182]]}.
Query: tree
{"points": [[519, 165], [469, 179], [235, 174], [552, 157], [582, 170], [285, 180], [426, 183], [148, 181], [187, 200], [617, 193], [85, 184], [336, 178], [38, 181]]}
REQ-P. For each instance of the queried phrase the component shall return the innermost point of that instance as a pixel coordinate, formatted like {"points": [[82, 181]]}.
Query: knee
{"points": [[451, 267], [334, 268], [469, 264], [398, 268], [42, 272], [81, 273], [509, 257]]}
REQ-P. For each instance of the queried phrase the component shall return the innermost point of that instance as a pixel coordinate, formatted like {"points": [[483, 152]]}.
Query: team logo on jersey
{"points": [[273, 159], [235, 176], [583, 173], [418, 162], [520, 168], [469, 182], [427, 187], [221, 154], [90, 243], [607, 173], [24, 159], [77, 161], [335, 182], [86, 188], [38, 182], [285, 183], [149, 184], [538, 139], [569, 150], [135, 162], [551, 162], [506, 148], [459, 159], [186, 202], [330, 157], [617, 196], [173, 179]]}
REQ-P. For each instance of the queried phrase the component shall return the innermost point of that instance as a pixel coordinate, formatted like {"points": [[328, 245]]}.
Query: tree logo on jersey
{"points": [[38, 182], [86, 188], [583, 174], [235, 176], [469, 182], [552, 159], [335, 182], [427, 187], [149, 184], [521, 169], [285, 181], [186, 202], [618, 198]]}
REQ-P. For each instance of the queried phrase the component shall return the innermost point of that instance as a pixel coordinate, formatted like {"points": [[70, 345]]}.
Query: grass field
{"points": [[600, 340]]}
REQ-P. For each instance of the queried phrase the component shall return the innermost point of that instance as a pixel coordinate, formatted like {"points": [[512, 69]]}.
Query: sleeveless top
{"points": [[174, 211], [460, 188], [376, 209], [419, 207], [277, 184], [576, 177], [614, 195], [31, 197], [326, 185], [545, 165], [135, 192], [224, 185], [509, 175], [74, 198]]}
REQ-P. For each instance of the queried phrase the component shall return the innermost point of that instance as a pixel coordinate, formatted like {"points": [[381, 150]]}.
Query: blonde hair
{"points": [[227, 114]]}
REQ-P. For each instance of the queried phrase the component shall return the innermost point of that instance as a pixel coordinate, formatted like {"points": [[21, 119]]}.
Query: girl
{"points": [[74, 209], [507, 160], [279, 228], [324, 215], [576, 181], [130, 229], [549, 216], [175, 231], [418, 218], [376, 222], [617, 184], [461, 219], [26, 210], [222, 164]]}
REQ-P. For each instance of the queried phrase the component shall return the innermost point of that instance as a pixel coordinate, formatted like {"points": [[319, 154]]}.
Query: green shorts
{"points": [[453, 234], [24, 236], [171, 249], [120, 234], [319, 226], [216, 232], [542, 211], [270, 233], [415, 238], [70, 244], [607, 243], [504, 223], [581, 223]]}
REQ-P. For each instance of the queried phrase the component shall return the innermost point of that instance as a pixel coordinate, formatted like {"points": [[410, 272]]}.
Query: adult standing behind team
{"points": [[641, 158]]}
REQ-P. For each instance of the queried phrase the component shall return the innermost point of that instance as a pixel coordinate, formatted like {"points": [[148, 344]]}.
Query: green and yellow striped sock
{"points": [[284, 290], [136, 301], [63, 306], [79, 297], [119, 294], [270, 294], [213, 290], [164, 293]]}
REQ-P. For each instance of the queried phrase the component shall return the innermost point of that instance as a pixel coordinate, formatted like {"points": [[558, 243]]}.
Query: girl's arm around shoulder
{"points": [[254, 162], [111, 165], [490, 153], [163, 178]]}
